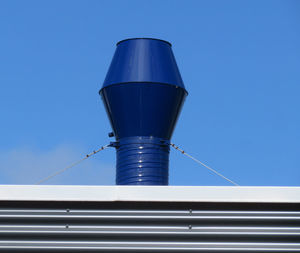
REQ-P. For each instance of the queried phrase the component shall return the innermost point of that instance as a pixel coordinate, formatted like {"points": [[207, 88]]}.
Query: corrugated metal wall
{"points": [[150, 227]]}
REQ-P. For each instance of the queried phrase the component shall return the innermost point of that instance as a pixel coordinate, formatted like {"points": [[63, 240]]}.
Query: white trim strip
{"points": [[241, 194]]}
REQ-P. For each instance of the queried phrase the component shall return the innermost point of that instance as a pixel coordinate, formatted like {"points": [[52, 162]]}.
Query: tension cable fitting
{"points": [[197, 161], [73, 164]]}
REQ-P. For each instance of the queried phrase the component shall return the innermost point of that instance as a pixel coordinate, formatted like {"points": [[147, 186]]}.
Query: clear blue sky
{"points": [[240, 61]]}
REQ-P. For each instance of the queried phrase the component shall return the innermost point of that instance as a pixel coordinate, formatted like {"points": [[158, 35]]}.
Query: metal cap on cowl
{"points": [[143, 94]]}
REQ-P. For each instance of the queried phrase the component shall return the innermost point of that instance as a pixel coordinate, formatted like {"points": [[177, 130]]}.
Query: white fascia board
{"points": [[237, 194]]}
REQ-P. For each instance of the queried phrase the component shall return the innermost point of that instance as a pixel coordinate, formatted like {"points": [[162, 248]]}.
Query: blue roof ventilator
{"points": [[143, 94]]}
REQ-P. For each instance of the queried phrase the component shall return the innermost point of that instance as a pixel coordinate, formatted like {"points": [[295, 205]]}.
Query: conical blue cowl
{"points": [[143, 94]]}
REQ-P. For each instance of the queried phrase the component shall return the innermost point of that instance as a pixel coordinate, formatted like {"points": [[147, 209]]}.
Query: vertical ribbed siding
{"points": [[102, 229]]}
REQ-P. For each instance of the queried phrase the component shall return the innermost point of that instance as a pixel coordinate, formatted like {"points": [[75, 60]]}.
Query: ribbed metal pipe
{"points": [[142, 160]]}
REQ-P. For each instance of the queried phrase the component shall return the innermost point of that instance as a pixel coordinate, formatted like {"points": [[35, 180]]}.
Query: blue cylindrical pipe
{"points": [[142, 161], [143, 94]]}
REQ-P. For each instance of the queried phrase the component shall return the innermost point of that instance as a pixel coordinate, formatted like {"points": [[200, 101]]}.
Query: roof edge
{"points": [[218, 194]]}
